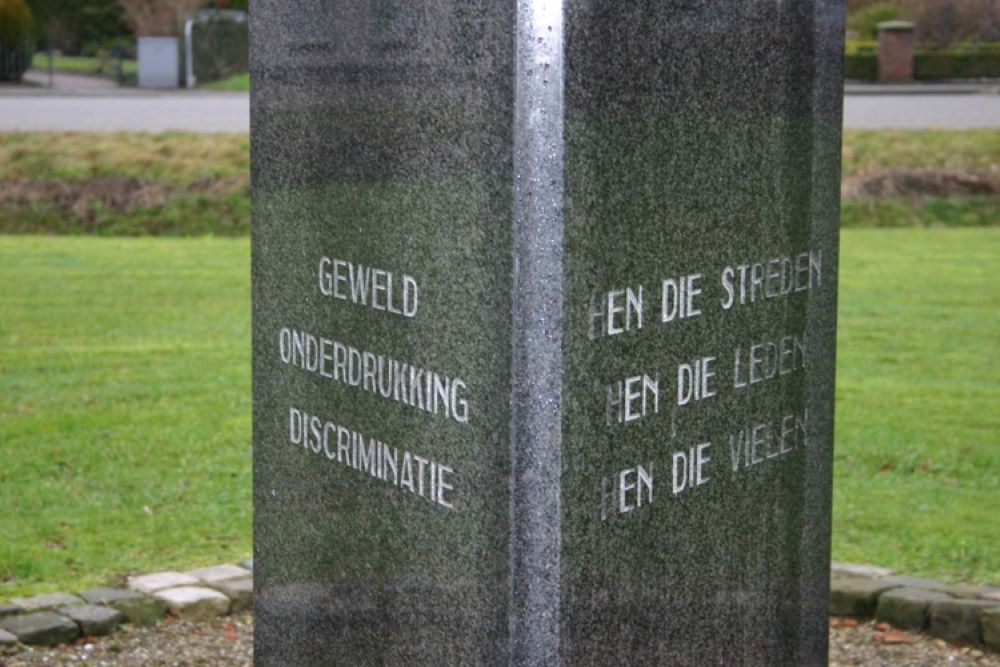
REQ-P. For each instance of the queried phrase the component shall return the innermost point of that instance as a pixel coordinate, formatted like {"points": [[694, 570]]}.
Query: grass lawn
{"points": [[917, 474], [947, 149], [238, 82], [124, 408], [125, 378], [84, 65], [182, 157], [125, 184], [125, 405], [183, 184], [867, 152], [177, 158]]}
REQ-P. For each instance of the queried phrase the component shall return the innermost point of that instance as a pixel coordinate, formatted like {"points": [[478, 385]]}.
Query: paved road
{"points": [[229, 112], [194, 112], [916, 111]]}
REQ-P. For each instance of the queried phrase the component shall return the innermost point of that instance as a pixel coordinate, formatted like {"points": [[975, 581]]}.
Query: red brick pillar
{"points": [[895, 51]]}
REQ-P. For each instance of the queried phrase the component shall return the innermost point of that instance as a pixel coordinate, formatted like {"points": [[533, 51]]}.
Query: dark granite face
{"points": [[381, 272], [702, 143], [544, 315]]}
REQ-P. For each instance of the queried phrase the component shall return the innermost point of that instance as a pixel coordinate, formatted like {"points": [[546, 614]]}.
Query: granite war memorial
{"points": [[544, 305]]}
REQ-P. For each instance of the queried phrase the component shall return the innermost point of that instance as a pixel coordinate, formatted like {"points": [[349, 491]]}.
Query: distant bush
{"points": [[162, 18], [946, 23], [114, 46], [865, 21], [855, 5], [860, 46], [861, 66], [72, 24], [16, 36], [966, 61], [861, 60], [16, 21], [970, 62], [939, 23], [221, 48]]}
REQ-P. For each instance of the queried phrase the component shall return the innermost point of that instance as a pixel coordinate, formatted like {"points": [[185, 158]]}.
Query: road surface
{"points": [[229, 112], [921, 111], [192, 112]]}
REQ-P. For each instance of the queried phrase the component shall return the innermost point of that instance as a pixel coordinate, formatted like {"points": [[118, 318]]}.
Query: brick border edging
{"points": [[60, 618], [956, 613], [961, 614]]}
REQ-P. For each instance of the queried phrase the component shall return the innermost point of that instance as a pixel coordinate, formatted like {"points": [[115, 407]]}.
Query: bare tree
{"points": [[947, 22], [158, 17]]}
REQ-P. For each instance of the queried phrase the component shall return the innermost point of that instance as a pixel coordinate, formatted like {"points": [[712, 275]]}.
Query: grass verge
{"points": [[180, 184], [926, 178], [83, 65], [125, 184], [238, 82], [183, 157], [925, 212], [125, 405], [960, 150], [177, 158], [124, 408], [918, 381]]}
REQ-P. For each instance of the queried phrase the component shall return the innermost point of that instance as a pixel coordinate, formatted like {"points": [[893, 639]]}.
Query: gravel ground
{"points": [[223, 642], [228, 642], [877, 645]]}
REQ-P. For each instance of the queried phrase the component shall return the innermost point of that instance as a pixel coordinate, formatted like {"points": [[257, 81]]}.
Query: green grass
{"points": [[918, 389], [83, 65], [125, 405], [238, 82], [173, 157], [108, 67], [932, 212], [183, 157], [184, 161], [205, 178], [124, 408], [124, 364], [865, 150], [184, 214]]}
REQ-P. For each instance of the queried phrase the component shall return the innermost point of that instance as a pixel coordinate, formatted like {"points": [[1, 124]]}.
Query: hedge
{"points": [[16, 27], [973, 62], [957, 64], [861, 66], [853, 47]]}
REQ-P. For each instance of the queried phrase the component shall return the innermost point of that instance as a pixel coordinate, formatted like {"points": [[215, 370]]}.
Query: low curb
{"points": [[60, 618], [961, 614], [987, 87]]}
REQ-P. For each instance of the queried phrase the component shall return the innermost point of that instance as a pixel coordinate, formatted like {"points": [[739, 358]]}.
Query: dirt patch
{"points": [[919, 183], [111, 193]]}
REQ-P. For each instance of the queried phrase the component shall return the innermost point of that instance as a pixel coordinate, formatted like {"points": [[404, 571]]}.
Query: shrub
{"points": [[860, 46], [220, 49], [968, 61], [861, 66], [944, 23], [16, 29], [865, 21], [855, 5], [961, 63], [158, 17]]}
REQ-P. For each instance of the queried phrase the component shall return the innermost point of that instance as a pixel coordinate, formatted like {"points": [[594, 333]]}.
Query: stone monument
{"points": [[544, 302]]}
